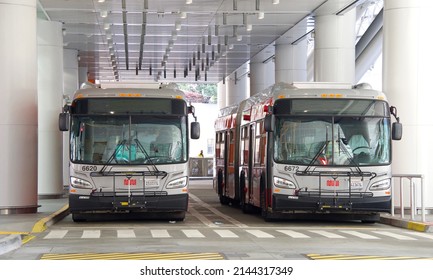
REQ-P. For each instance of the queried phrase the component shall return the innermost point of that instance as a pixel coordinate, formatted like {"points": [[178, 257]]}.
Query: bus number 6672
{"points": [[291, 168]]}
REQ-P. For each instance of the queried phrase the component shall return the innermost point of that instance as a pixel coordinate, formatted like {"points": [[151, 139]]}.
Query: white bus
{"points": [[307, 150], [128, 151]]}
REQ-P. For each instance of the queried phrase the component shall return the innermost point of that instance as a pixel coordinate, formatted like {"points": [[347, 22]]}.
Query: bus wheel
{"points": [[263, 206], [246, 208], [78, 218], [178, 216], [370, 218], [220, 182], [224, 200]]}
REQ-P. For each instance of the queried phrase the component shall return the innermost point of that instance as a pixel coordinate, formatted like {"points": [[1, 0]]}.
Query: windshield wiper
{"points": [[324, 146], [349, 156], [113, 155], [143, 150]]}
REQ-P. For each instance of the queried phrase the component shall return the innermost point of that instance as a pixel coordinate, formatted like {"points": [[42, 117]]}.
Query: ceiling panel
{"points": [[115, 37]]}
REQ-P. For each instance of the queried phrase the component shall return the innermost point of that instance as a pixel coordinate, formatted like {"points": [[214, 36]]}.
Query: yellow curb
{"points": [[416, 226], [27, 238], [41, 225]]}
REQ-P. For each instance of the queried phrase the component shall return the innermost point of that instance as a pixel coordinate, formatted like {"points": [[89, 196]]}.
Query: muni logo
{"points": [[332, 183], [130, 182]]}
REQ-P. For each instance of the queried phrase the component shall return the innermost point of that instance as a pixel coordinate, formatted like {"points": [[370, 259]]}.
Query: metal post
{"points": [[422, 200], [401, 198], [392, 197], [412, 199]]}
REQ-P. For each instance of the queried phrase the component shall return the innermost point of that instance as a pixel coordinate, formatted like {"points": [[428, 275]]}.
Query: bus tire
{"points": [[370, 218], [263, 206], [77, 218], [178, 216], [223, 199], [219, 182], [246, 207]]}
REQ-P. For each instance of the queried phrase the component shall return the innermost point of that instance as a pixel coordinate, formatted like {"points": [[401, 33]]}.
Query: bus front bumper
{"points": [[331, 204], [111, 203]]}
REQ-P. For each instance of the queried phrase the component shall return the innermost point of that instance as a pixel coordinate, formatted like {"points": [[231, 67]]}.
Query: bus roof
{"points": [[129, 92], [306, 90], [324, 90]]}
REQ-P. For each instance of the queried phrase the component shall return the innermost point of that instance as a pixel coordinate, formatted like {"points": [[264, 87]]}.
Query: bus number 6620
{"points": [[89, 168]]}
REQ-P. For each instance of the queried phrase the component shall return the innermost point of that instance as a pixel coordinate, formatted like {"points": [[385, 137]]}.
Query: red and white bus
{"points": [[307, 149], [129, 151]]}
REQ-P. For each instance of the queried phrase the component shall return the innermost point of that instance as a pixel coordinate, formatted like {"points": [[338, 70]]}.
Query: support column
{"points": [[70, 85], [18, 108], [238, 87], [231, 95], [291, 62], [70, 72], [82, 75], [221, 95], [50, 92], [262, 75], [407, 62], [334, 47]]}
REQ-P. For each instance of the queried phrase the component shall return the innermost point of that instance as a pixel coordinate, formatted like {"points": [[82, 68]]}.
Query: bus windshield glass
{"points": [[358, 137], [128, 139]]}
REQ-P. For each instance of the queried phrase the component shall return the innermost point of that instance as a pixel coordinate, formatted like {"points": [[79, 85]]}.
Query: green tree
{"points": [[208, 90]]}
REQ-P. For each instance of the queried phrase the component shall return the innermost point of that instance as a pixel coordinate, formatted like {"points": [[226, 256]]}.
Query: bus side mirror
{"points": [[195, 130], [269, 123], [63, 121], [397, 131]]}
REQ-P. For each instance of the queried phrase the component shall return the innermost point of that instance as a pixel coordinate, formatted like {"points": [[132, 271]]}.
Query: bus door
{"points": [[223, 181], [249, 171], [230, 164]]}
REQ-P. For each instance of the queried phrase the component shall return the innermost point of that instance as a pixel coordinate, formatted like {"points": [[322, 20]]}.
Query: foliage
{"points": [[200, 92]]}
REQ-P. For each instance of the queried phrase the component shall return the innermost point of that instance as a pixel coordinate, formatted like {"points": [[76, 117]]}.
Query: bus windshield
{"points": [[128, 139], [332, 140]]}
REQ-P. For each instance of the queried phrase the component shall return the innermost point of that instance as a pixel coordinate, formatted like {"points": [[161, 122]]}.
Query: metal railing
{"points": [[201, 167], [413, 199]]}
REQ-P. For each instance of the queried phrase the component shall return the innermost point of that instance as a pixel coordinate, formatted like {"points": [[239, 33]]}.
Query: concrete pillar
{"points": [[70, 85], [407, 62], [257, 77], [70, 72], [368, 57], [231, 94], [18, 107], [238, 86], [334, 47], [50, 102], [262, 75], [291, 62], [82, 75], [221, 94], [310, 67]]}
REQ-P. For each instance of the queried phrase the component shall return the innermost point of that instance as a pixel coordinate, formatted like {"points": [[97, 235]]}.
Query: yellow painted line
{"points": [[38, 227], [361, 257], [134, 256], [41, 225], [416, 226], [13, 232], [27, 238]]}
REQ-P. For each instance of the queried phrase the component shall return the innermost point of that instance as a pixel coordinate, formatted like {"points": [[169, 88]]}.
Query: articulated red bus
{"points": [[307, 149]]}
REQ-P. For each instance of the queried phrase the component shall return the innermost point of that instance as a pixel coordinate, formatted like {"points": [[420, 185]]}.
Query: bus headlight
{"points": [[380, 186], [283, 183], [80, 183], [178, 183]]}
